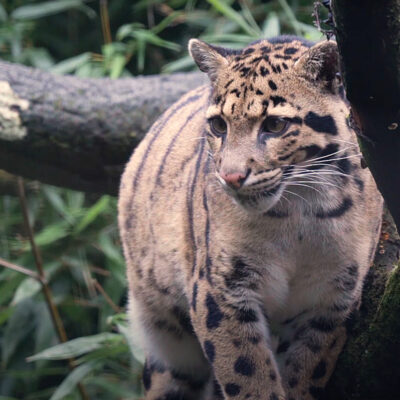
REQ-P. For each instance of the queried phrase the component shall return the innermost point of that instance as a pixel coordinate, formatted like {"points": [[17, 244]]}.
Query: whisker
{"points": [[285, 198], [336, 159], [322, 164], [346, 141], [321, 183], [321, 173], [307, 186], [295, 194], [329, 155]]}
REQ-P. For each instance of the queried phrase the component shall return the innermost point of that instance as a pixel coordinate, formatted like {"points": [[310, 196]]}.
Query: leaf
{"points": [[50, 234], [167, 21], [28, 288], [39, 58], [114, 388], [7, 288], [75, 347], [34, 11], [271, 26], [182, 64], [3, 18], [5, 315], [45, 334], [121, 321], [19, 326], [127, 30], [249, 17], [107, 353], [234, 16], [238, 40], [111, 250], [71, 64], [57, 202], [117, 65], [70, 382], [92, 213], [149, 37], [290, 16], [310, 32]]}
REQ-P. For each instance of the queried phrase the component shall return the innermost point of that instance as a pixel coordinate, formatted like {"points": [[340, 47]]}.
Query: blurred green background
{"points": [[76, 232]]}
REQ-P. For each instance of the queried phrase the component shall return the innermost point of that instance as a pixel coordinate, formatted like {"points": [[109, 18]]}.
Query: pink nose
{"points": [[235, 180]]}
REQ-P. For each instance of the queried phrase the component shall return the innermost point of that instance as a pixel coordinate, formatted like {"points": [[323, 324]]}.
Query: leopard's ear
{"points": [[320, 64], [209, 59]]}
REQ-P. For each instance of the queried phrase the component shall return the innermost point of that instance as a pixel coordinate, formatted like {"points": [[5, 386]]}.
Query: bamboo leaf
{"points": [[271, 26], [71, 64], [117, 65], [76, 347], [234, 16], [34, 11], [92, 213], [28, 288], [68, 385], [113, 388], [3, 18], [19, 326], [50, 234]]}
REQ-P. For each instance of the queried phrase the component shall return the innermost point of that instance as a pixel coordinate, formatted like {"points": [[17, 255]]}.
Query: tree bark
{"points": [[79, 133], [368, 367], [368, 36]]}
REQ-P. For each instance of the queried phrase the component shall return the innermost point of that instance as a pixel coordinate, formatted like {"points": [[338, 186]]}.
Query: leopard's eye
{"points": [[274, 125], [218, 126]]}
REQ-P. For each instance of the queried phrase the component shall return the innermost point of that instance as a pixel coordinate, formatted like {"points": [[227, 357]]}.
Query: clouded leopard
{"points": [[248, 226]]}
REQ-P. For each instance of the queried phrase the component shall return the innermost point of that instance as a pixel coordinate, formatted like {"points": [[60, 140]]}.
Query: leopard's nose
{"points": [[234, 180]]}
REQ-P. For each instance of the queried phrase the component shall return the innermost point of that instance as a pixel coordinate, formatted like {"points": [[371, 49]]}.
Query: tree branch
{"points": [[75, 132]]}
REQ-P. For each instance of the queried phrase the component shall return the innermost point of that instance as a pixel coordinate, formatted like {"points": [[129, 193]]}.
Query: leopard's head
{"points": [[276, 112]]}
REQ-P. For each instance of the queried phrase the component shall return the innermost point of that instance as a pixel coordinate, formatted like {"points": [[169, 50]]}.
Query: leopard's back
{"points": [[154, 186]]}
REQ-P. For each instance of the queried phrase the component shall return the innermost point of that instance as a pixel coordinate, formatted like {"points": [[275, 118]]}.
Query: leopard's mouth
{"points": [[259, 194]]}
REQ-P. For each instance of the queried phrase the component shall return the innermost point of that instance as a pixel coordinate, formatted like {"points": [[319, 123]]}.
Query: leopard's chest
{"points": [[300, 257]]}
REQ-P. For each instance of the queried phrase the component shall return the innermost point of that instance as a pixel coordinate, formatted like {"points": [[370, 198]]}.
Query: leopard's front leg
{"points": [[233, 332], [309, 349]]}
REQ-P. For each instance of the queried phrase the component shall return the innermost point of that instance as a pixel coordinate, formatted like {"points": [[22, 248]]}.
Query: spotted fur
{"points": [[247, 250]]}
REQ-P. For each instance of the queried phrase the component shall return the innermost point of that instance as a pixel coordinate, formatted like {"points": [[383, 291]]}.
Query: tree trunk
{"points": [[368, 36], [79, 133], [369, 367]]}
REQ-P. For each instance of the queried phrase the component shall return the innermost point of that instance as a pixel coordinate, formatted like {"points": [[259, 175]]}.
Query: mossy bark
{"points": [[368, 37], [369, 366]]}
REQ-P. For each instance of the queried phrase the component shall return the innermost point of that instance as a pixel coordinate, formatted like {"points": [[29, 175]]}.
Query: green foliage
{"points": [[78, 238], [77, 233], [146, 36]]}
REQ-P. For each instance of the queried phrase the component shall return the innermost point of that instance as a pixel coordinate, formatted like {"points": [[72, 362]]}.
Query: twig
{"points": [[18, 268], [106, 296], [85, 303], [55, 316], [105, 22], [99, 271], [328, 21]]}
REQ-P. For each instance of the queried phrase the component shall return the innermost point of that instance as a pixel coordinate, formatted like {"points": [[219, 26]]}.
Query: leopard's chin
{"points": [[261, 201]]}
